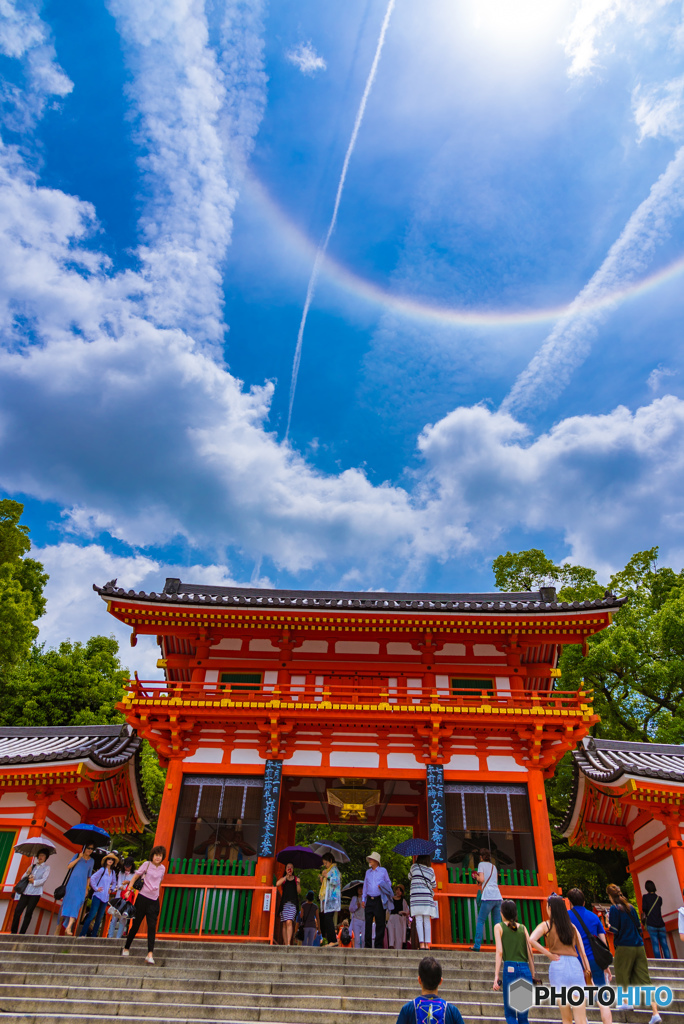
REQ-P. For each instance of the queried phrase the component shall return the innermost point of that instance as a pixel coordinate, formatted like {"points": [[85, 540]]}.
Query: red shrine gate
{"points": [[435, 711]]}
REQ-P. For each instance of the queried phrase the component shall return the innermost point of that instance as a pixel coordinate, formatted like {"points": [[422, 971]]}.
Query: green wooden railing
{"points": [[201, 866], [507, 876], [187, 911], [464, 918]]}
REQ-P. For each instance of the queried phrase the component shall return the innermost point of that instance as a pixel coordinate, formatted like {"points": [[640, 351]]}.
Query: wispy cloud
{"points": [[657, 375], [569, 343], [195, 141], [306, 59], [26, 38], [323, 248], [659, 110], [591, 21]]}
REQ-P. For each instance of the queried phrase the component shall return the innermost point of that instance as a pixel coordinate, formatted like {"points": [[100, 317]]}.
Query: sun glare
{"points": [[524, 24]]}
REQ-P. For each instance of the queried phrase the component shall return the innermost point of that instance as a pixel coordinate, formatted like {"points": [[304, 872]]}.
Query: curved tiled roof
{"points": [[108, 746], [608, 761], [195, 593]]}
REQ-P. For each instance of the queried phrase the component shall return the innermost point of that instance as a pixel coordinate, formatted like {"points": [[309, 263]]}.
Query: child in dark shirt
{"points": [[428, 1007]]}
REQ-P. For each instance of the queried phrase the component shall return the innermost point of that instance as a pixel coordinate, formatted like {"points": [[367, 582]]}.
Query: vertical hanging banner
{"points": [[269, 808], [436, 810]]}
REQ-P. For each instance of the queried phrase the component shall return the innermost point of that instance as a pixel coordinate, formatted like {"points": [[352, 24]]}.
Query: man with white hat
{"points": [[377, 889]]}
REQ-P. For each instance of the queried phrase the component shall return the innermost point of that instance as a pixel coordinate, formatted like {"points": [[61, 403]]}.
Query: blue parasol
{"points": [[82, 834], [415, 847]]}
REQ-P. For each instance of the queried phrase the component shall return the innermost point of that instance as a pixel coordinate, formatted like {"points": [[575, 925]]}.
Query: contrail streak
{"points": [[322, 249]]}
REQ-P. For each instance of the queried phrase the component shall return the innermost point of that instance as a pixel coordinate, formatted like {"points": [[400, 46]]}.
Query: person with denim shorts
{"points": [[652, 919], [488, 878], [514, 954]]}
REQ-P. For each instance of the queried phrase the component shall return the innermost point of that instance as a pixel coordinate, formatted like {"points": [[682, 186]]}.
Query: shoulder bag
{"points": [[21, 885], [60, 891], [655, 904], [140, 880], [600, 952]]}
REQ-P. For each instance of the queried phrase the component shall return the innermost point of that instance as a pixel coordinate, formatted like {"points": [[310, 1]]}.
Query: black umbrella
{"points": [[300, 857], [351, 887]]}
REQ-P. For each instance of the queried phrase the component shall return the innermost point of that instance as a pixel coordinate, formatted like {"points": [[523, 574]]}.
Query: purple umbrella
{"points": [[299, 857]]}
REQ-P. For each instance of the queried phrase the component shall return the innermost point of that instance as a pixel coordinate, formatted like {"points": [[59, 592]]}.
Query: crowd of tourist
{"points": [[379, 914]]}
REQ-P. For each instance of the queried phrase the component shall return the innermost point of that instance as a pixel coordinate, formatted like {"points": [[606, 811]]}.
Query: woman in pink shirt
{"points": [[147, 901]]}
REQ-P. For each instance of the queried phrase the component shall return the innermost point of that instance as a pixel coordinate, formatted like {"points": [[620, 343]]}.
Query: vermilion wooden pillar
{"points": [[541, 830], [169, 805]]}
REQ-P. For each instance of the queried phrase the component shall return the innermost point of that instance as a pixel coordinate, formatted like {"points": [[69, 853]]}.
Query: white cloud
{"points": [[76, 612], [656, 376], [306, 59], [659, 110], [198, 114], [24, 37], [592, 20], [569, 343]]}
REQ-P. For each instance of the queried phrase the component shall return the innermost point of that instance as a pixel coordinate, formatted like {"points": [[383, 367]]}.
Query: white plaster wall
{"points": [[312, 647], [503, 763], [205, 755], [402, 649], [487, 651], [664, 875], [306, 758], [246, 756], [647, 832], [228, 643], [463, 762], [452, 651], [354, 759], [406, 759], [262, 645], [357, 647]]}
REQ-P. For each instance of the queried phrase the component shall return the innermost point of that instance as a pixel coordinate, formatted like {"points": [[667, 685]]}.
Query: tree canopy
{"points": [[635, 668], [22, 581]]}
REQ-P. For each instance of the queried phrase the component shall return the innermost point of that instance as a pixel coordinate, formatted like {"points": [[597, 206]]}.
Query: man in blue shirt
{"points": [[428, 1007], [377, 888], [579, 915]]}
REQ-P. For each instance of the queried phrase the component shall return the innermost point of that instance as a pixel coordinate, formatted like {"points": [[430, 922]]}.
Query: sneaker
{"points": [[125, 952], [655, 1019], [149, 959]]}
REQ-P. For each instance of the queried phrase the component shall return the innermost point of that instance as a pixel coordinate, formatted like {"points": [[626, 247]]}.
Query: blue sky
{"points": [[492, 358]]}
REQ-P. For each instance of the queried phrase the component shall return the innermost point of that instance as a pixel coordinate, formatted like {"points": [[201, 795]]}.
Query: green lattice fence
{"points": [[464, 918], [7, 842], [507, 876], [216, 911], [202, 866]]}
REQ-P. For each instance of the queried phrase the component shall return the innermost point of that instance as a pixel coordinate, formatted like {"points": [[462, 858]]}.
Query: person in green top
{"points": [[513, 948]]}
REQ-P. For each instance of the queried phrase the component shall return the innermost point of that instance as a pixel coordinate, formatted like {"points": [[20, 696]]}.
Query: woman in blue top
{"points": [[631, 965], [81, 868], [589, 923]]}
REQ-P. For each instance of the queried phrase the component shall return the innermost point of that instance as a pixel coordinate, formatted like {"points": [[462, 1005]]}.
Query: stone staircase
{"points": [[46, 980]]}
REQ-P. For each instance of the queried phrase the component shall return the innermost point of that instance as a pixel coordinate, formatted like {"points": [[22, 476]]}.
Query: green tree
{"points": [[76, 684], [529, 570], [635, 668], [22, 581]]}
